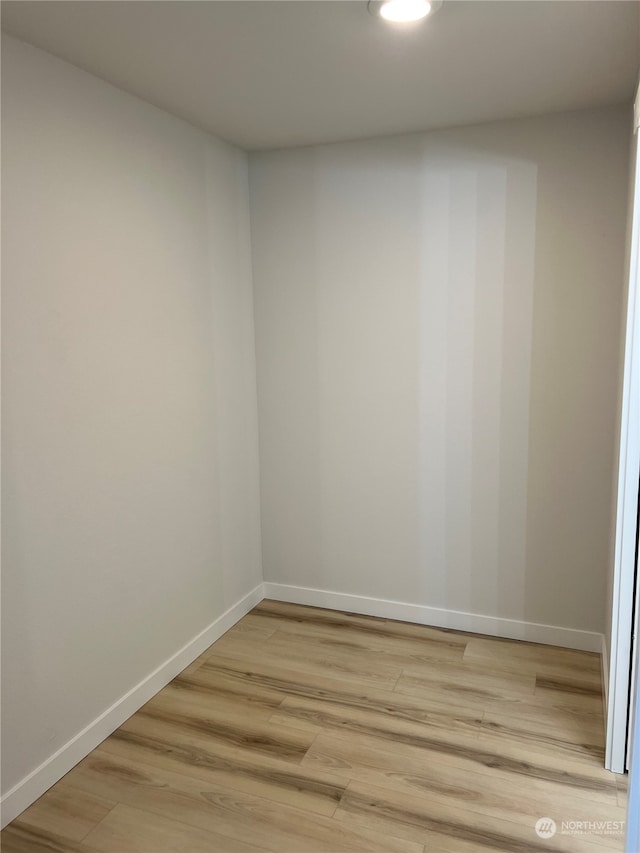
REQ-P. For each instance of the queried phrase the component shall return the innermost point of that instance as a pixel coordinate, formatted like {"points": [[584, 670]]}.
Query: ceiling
{"points": [[267, 74]]}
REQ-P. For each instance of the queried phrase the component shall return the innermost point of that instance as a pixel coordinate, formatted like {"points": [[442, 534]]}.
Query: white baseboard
{"points": [[47, 774], [605, 673], [604, 670], [514, 629]]}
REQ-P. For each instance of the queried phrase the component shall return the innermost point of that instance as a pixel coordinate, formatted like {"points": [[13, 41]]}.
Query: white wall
{"points": [[130, 495], [437, 328]]}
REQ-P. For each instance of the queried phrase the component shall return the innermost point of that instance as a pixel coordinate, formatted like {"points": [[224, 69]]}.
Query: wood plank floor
{"points": [[310, 731]]}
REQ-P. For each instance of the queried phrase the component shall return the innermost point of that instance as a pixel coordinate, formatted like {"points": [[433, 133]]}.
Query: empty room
{"points": [[320, 426]]}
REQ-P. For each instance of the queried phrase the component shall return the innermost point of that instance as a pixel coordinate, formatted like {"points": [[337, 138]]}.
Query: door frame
{"points": [[633, 802], [621, 671]]}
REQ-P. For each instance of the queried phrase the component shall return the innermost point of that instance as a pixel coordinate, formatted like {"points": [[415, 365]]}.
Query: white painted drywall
{"points": [[437, 333], [130, 459]]}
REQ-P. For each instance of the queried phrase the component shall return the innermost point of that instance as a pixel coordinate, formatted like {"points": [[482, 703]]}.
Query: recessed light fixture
{"points": [[403, 11]]}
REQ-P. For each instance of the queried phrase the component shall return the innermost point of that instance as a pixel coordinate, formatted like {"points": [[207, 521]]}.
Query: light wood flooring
{"points": [[312, 731]]}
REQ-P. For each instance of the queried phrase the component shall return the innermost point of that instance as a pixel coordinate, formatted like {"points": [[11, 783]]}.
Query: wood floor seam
{"points": [[393, 689], [89, 831]]}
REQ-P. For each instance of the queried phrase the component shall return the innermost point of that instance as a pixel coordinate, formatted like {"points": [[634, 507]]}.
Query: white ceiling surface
{"points": [[266, 74]]}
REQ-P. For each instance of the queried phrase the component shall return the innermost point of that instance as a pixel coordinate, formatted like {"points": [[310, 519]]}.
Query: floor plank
{"points": [[17, 838], [491, 791], [572, 735], [70, 814], [443, 827], [244, 733], [464, 686], [276, 682], [257, 773], [215, 806], [371, 625], [128, 830], [363, 633], [308, 654], [330, 715], [531, 657]]}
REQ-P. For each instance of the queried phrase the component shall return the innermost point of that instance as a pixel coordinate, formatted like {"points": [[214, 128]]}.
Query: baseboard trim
{"points": [[604, 671], [26, 792], [513, 629]]}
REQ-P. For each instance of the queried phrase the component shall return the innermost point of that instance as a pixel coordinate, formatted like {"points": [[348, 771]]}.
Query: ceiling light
{"points": [[403, 11]]}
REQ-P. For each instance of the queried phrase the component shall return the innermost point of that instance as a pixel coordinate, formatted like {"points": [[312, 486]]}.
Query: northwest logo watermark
{"points": [[546, 827]]}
